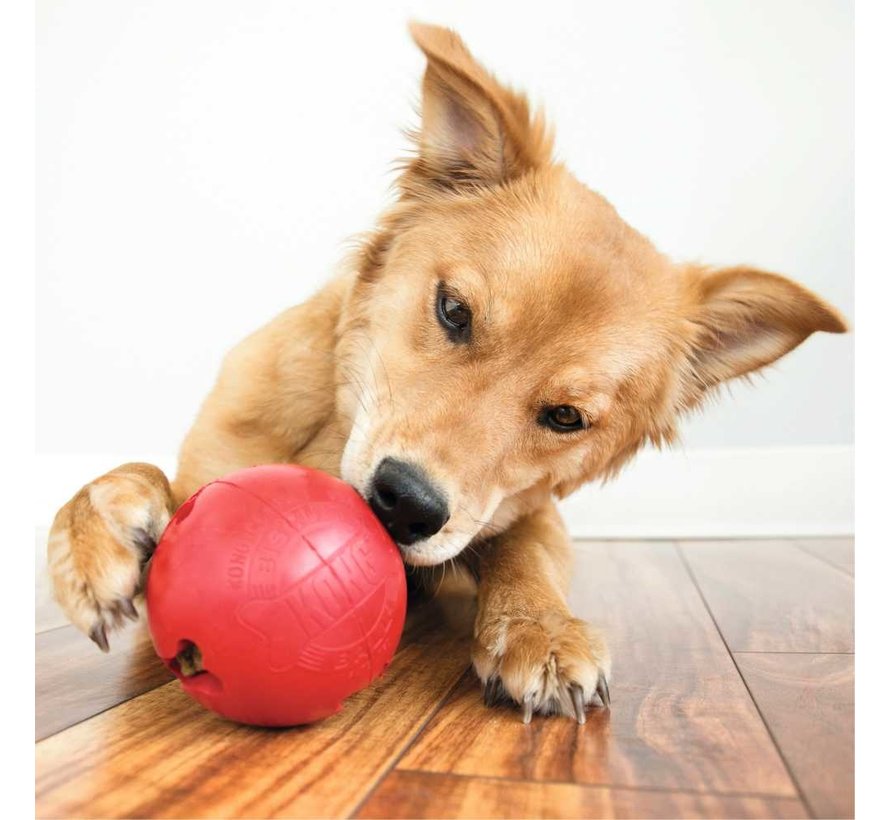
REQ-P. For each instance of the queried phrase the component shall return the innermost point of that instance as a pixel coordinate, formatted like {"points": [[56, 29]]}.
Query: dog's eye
{"points": [[454, 316], [563, 418]]}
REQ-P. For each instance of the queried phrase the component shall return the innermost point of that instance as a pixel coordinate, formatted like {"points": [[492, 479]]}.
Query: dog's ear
{"points": [[743, 319], [474, 131]]}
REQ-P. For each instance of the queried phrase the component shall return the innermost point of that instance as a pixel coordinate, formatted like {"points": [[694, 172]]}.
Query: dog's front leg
{"points": [[528, 647]]}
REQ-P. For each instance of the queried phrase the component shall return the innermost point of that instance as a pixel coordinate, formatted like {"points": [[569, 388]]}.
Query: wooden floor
{"points": [[732, 696]]}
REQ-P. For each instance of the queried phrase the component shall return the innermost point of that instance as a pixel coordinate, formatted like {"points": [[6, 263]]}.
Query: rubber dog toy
{"points": [[275, 593]]}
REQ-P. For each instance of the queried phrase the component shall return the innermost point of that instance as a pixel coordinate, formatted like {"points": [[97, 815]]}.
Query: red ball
{"points": [[289, 587]]}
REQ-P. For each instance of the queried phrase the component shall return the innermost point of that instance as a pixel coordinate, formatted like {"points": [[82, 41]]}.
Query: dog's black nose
{"points": [[406, 502]]}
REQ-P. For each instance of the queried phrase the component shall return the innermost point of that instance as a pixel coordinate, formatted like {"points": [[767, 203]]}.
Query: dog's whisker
{"points": [[383, 366]]}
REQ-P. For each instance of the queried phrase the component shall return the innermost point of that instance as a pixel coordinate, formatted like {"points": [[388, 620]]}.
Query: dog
{"points": [[499, 339]]}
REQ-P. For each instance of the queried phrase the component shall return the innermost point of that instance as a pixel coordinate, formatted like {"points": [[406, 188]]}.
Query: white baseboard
{"points": [[718, 493]]}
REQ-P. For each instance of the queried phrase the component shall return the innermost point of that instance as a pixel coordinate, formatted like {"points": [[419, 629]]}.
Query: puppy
{"points": [[501, 338]]}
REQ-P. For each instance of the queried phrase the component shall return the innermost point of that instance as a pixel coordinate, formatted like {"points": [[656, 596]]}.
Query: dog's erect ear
{"points": [[744, 319], [474, 131]]}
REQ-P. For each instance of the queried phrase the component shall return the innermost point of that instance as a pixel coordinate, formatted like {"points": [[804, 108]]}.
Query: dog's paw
{"points": [[550, 664], [100, 542]]}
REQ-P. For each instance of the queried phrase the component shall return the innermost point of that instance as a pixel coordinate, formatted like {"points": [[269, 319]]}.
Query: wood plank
{"points": [[76, 681], [769, 596], [807, 701], [839, 552], [407, 794], [681, 716], [162, 755]]}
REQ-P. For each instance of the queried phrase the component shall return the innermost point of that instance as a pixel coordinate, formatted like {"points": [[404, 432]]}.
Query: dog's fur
{"points": [[570, 306]]}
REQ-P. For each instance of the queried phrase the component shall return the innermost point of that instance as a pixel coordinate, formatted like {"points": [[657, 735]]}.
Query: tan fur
{"points": [[570, 306]]}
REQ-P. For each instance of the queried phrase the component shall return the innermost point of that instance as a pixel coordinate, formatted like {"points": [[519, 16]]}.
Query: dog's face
{"points": [[510, 336]]}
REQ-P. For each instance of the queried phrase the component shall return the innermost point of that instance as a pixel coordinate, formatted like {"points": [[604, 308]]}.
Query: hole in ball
{"points": [[188, 661], [188, 666]]}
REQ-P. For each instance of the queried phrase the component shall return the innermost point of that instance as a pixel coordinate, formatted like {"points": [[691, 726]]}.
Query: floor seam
{"points": [[409, 743], [38, 633], [823, 559], [800, 793], [38, 741], [787, 652], [622, 786]]}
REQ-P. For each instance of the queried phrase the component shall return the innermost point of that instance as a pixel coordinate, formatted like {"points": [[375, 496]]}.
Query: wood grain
{"points": [[807, 701], [684, 738], [839, 552], [162, 755], [405, 794], [766, 597], [75, 681], [681, 716]]}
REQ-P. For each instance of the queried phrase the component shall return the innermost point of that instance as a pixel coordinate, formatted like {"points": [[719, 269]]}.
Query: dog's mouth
{"points": [[431, 552], [415, 556]]}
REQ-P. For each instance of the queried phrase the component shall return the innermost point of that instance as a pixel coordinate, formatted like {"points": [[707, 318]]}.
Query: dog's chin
{"points": [[429, 553]]}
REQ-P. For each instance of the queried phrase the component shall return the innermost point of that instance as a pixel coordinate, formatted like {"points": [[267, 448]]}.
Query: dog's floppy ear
{"points": [[743, 319], [474, 131]]}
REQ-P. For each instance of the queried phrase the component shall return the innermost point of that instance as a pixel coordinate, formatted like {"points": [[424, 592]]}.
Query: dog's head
{"points": [[511, 337]]}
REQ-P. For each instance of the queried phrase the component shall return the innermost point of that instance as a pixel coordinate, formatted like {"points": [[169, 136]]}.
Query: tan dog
{"points": [[501, 338]]}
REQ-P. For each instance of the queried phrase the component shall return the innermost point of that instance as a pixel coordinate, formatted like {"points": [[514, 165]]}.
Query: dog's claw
{"points": [[528, 708], [99, 636], [127, 607], [489, 691], [602, 689], [578, 703], [143, 542]]}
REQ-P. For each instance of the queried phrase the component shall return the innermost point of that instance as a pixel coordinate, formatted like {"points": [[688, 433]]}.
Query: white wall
{"points": [[201, 164]]}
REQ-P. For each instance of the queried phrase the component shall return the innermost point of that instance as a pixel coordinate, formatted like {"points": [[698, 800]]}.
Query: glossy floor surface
{"points": [[732, 696]]}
